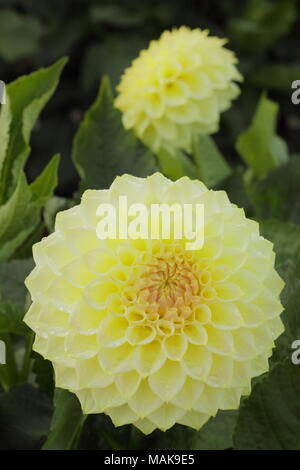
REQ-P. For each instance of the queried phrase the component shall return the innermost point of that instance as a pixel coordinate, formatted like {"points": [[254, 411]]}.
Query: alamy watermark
{"points": [[2, 93], [296, 354], [296, 94], [2, 352], [155, 221]]}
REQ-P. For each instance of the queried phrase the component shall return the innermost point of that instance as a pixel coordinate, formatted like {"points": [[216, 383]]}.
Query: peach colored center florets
{"points": [[169, 287]]}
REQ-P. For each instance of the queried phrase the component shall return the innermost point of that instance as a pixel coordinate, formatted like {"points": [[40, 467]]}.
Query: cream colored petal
{"points": [[127, 383], [219, 341], [220, 374], [112, 331], [98, 292], [175, 346], [225, 316], [90, 374], [194, 419], [65, 377], [189, 394], [118, 359], [121, 415], [85, 319], [81, 346], [77, 273], [63, 294], [107, 397], [145, 425], [197, 361], [166, 416], [148, 358], [195, 333], [144, 401], [140, 334], [168, 380]]}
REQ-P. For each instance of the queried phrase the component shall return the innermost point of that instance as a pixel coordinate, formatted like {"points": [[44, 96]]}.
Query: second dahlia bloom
{"points": [[144, 330], [177, 88]]}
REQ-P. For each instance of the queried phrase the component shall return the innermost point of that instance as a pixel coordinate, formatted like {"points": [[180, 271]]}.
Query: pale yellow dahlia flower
{"points": [[177, 88], [144, 330]]}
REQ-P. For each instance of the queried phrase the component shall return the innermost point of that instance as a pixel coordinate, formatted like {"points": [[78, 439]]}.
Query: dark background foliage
{"points": [[103, 36]]}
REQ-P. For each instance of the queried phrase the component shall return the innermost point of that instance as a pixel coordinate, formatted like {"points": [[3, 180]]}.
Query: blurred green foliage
{"points": [[103, 36], [249, 158]]}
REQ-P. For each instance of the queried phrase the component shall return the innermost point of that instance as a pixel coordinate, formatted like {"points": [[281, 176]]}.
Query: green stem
{"points": [[8, 371], [77, 436], [27, 361], [136, 438]]}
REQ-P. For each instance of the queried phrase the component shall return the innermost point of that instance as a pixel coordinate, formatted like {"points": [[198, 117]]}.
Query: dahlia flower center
{"points": [[169, 285]]}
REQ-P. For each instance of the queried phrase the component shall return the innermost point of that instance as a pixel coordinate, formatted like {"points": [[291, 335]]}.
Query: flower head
{"points": [[144, 330], [177, 88]]}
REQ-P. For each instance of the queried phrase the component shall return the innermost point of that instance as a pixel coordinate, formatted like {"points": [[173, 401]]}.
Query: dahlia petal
{"points": [[98, 292], [168, 380], [166, 416], [225, 316], [112, 331], [85, 319], [90, 374], [117, 359], [194, 419], [197, 361], [189, 394], [174, 346], [81, 346], [219, 341], [77, 273], [145, 425], [65, 377], [121, 415], [100, 261], [128, 383], [107, 397], [140, 334], [221, 371], [144, 401], [195, 333], [149, 358]]}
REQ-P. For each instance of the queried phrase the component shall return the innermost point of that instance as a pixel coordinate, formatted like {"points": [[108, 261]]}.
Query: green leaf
{"points": [[176, 164], [25, 415], [103, 149], [5, 120], [259, 146], [270, 418], [42, 188], [216, 434], [234, 185], [54, 205], [11, 317], [286, 239], [262, 24], [44, 374], [21, 214], [28, 95], [19, 35], [277, 195], [11, 219], [276, 76], [211, 165], [67, 421], [12, 277]]}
